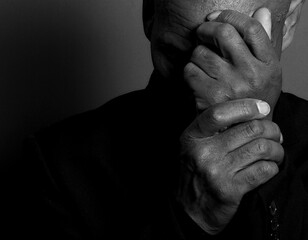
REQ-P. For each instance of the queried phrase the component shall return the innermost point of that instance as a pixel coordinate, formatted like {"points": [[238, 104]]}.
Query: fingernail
{"points": [[212, 16], [263, 15], [263, 107], [281, 138]]}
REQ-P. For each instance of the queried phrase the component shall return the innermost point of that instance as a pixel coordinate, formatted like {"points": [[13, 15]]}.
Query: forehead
{"points": [[206, 6], [197, 10]]}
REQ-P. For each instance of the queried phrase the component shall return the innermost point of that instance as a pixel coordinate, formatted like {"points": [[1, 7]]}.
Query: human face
{"points": [[175, 21]]}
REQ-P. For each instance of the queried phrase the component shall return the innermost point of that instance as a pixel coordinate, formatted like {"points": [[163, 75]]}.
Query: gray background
{"points": [[61, 57]]}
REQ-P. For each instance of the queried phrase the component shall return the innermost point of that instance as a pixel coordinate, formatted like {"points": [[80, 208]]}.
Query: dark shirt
{"points": [[110, 173]]}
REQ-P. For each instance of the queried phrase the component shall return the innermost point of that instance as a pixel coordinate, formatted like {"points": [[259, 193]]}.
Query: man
{"points": [[211, 149]]}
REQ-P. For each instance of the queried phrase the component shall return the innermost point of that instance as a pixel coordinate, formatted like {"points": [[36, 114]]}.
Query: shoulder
{"points": [[92, 142], [105, 120], [80, 168], [124, 106]]}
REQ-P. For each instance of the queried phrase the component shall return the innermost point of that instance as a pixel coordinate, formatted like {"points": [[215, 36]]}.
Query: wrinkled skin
{"points": [[173, 40], [173, 35], [234, 59], [230, 64], [219, 169]]}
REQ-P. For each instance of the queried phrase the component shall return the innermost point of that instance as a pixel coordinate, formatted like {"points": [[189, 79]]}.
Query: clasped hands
{"points": [[232, 146]]}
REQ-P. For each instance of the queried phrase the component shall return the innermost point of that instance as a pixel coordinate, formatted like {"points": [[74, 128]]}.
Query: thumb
{"points": [[220, 116], [263, 15]]}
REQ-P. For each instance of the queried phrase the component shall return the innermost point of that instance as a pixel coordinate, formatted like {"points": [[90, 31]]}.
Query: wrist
{"points": [[202, 209]]}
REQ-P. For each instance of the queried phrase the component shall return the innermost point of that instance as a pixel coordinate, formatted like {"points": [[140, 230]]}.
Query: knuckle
{"points": [[225, 31], [205, 155], [262, 170], [267, 169], [251, 75], [201, 153], [261, 173], [245, 153], [200, 51], [263, 147], [245, 108], [194, 154], [208, 168], [216, 116], [253, 28], [195, 149], [219, 94], [213, 172], [254, 128], [251, 179], [232, 158]]}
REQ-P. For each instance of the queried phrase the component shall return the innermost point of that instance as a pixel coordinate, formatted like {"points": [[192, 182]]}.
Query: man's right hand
{"points": [[227, 151], [235, 59]]}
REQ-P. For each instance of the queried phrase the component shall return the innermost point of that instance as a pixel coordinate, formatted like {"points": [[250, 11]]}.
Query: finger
{"points": [[209, 62], [263, 15], [259, 149], [205, 88], [256, 175], [226, 39], [252, 33], [225, 114], [241, 134]]}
